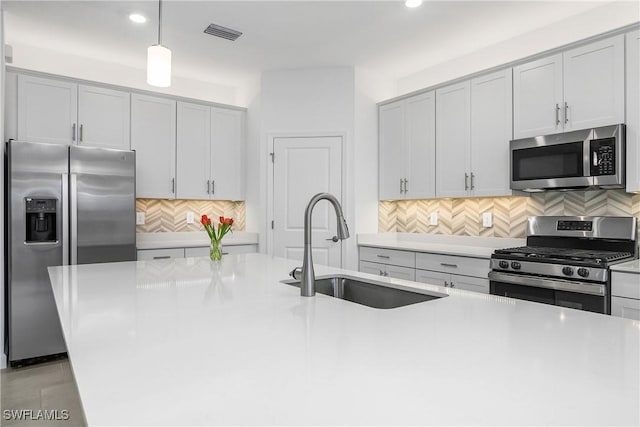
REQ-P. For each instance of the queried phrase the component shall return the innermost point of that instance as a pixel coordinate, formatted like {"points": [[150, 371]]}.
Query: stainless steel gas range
{"points": [[566, 261]]}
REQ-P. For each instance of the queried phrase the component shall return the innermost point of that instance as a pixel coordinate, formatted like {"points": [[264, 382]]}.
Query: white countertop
{"points": [[628, 267], [476, 247], [183, 342], [191, 239]]}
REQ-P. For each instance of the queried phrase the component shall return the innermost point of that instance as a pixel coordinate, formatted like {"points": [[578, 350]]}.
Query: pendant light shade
{"points": [[158, 66], [159, 60]]}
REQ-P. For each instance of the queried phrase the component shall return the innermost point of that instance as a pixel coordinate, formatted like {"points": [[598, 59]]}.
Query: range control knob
{"points": [[504, 264], [515, 265], [567, 271], [583, 272]]}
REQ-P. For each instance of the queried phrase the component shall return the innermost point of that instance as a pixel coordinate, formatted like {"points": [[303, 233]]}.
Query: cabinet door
{"points": [[397, 272], [433, 277], [47, 110], [420, 145], [227, 154], [391, 151], [372, 268], [537, 97], [594, 84], [193, 154], [103, 117], [625, 307], [153, 136], [491, 131], [476, 284], [633, 111], [452, 141]]}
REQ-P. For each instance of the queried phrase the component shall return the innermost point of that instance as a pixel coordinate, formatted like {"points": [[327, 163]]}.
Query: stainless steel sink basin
{"points": [[367, 293]]}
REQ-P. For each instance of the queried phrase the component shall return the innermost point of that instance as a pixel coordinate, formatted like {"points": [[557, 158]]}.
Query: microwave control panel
{"points": [[603, 157]]}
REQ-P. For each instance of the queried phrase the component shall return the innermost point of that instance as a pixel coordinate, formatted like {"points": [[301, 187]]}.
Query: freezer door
{"points": [[36, 173], [102, 200]]}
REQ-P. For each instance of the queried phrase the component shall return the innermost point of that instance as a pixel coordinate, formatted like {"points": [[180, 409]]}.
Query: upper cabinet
{"points": [[580, 88], [210, 153], [633, 111], [62, 112], [407, 148], [153, 136]]}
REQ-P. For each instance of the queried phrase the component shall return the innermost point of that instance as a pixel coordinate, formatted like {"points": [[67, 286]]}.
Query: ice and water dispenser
{"points": [[41, 220]]}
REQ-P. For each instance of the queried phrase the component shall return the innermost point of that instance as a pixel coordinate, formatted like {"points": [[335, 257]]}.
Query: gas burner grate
{"points": [[566, 254]]}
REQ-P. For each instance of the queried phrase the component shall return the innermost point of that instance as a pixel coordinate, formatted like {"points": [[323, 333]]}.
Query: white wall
{"points": [[590, 23], [44, 60]]}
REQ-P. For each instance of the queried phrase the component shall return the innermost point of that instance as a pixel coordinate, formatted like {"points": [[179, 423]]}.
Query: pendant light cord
{"points": [[159, 20]]}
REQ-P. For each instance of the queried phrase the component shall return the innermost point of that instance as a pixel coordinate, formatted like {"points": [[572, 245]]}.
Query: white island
{"points": [[183, 342]]}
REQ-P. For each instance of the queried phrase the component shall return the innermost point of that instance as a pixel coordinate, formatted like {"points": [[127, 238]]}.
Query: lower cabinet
{"points": [[160, 253], [145, 254], [387, 270], [625, 295], [467, 283]]}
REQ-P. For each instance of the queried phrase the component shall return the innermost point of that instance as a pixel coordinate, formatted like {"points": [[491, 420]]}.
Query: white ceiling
{"points": [[384, 36]]}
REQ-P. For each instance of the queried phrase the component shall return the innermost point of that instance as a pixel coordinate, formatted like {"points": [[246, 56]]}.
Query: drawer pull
{"points": [[445, 264], [162, 257], [384, 256]]}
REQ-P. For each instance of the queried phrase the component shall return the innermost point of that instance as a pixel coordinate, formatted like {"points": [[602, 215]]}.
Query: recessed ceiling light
{"points": [[413, 3], [137, 18]]}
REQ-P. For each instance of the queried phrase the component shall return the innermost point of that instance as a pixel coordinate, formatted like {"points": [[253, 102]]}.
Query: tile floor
{"points": [[45, 386]]}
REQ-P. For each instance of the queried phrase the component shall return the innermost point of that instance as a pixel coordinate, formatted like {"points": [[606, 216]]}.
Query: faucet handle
{"points": [[296, 273]]}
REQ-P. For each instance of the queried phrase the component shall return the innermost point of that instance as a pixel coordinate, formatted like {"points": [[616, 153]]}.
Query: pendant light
{"points": [[159, 60]]}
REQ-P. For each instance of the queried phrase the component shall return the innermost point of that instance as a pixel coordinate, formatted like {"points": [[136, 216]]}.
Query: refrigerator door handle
{"points": [[64, 207], [73, 203]]}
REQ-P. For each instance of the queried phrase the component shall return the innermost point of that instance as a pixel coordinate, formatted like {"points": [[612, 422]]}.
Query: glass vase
{"points": [[215, 253]]}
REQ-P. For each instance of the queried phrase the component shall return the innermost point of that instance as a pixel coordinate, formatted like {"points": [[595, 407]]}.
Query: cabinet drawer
{"points": [[625, 307], [385, 270], [160, 253], [625, 285], [226, 250], [476, 267], [433, 277], [388, 256]]}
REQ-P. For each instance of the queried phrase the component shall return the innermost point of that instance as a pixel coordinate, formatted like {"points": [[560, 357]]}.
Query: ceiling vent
{"points": [[222, 32]]}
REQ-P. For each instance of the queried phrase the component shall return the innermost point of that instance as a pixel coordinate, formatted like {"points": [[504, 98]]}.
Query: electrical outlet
{"points": [[433, 218], [140, 218], [190, 219], [487, 219]]}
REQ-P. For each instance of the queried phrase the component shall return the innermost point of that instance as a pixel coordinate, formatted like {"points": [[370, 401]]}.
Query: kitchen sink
{"points": [[366, 292]]}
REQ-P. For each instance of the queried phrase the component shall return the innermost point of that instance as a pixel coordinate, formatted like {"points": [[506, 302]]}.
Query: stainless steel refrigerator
{"points": [[64, 205]]}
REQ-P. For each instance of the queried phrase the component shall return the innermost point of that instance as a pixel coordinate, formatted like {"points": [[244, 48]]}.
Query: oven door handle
{"points": [[543, 282]]}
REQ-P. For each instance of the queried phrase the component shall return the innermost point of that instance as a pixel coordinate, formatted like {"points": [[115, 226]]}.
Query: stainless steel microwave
{"points": [[582, 159]]}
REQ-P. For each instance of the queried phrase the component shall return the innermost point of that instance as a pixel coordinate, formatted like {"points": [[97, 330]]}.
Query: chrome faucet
{"points": [[306, 274]]}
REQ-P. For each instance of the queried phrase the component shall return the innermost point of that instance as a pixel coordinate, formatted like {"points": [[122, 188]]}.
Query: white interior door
{"points": [[303, 167]]}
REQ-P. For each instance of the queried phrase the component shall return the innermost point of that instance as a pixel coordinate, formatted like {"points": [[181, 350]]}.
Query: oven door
{"points": [[565, 293]]}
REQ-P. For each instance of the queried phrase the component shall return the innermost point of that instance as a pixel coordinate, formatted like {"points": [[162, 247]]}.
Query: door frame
{"points": [[271, 137]]}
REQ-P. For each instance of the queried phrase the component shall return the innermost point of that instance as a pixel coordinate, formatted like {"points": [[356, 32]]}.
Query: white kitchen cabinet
{"points": [[47, 110], [453, 136], [153, 136], [62, 112], [452, 271], [227, 154], [226, 250], [625, 307], [625, 295], [537, 97], [491, 131], [580, 88], [103, 117], [193, 151], [407, 148], [146, 254], [388, 256], [467, 283], [433, 277], [633, 111], [386, 270]]}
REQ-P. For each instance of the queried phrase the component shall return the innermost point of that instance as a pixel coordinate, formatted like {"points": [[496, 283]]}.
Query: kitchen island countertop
{"points": [[192, 342]]}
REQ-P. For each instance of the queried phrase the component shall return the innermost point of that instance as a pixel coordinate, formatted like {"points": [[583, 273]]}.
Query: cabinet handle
{"points": [[208, 186], [466, 181], [173, 185], [81, 132], [162, 257], [446, 284], [566, 113], [451, 285], [213, 187], [406, 181], [73, 132], [472, 176], [383, 256], [444, 264], [401, 190], [381, 273], [557, 114]]}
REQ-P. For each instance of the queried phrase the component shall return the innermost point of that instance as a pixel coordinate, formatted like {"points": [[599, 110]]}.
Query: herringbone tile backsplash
{"points": [[171, 215], [463, 217]]}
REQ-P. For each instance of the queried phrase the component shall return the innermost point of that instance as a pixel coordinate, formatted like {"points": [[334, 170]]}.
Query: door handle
{"points": [[81, 132], [466, 181], [383, 256], [173, 185], [445, 264], [65, 219], [208, 186], [334, 239], [472, 176], [401, 186], [73, 132], [73, 190], [557, 114], [213, 187], [406, 181]]}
